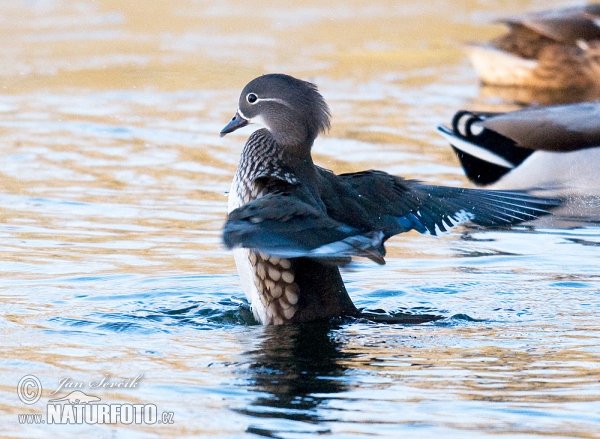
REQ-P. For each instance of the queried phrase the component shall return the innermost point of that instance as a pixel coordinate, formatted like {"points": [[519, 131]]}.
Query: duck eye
{"points": [[251, 98]]}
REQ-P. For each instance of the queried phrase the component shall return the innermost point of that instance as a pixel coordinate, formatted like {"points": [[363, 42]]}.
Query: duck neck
{"points": [[298, 155]]}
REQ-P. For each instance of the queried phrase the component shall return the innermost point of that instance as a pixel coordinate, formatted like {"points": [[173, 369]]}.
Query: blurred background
{"points": [[113, 183]]}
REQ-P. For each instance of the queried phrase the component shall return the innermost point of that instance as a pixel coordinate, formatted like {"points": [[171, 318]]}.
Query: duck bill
{"points": [[237, 122]]}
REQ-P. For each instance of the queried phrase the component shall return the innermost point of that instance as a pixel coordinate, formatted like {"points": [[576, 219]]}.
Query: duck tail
{"points": [[485, 155]]}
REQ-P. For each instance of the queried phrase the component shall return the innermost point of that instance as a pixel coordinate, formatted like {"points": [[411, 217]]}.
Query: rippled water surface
{"points": [[113, 184]]}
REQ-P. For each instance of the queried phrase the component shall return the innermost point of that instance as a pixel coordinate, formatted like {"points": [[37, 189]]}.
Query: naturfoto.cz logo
{"points": [[78, 407]]}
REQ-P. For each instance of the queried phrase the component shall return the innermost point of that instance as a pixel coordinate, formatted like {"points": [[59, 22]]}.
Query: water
{"points": [[113, 193]]}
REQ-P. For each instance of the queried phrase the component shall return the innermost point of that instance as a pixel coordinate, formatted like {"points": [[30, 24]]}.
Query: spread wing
{"points": [[395, 205], [281, 224], [362, 210]]}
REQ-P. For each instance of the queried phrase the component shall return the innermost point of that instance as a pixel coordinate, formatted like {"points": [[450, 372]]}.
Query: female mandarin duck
{"points": [[292, 223]]}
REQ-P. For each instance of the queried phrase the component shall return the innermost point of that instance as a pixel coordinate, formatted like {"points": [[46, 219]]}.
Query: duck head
{"points": [[292, 110]]}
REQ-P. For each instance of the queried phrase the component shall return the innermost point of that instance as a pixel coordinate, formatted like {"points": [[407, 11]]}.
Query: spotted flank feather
{"points": [[275, 277]]}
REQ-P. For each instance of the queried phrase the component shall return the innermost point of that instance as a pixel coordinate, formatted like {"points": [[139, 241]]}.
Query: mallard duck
{"points": [[553, 148], [548, 49]]}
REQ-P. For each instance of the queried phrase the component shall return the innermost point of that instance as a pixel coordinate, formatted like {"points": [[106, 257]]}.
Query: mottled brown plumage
{"points": [[548, 49]]}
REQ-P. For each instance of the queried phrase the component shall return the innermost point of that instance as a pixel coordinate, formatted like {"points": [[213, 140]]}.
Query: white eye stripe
{"points": [[279, 101]]}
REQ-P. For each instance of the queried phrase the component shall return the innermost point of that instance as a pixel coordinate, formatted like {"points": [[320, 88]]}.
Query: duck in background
{"points": [[555, 148], [555, 49]]}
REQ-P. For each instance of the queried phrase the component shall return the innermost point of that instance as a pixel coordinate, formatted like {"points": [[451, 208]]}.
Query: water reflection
{"points": [[294, 369]]}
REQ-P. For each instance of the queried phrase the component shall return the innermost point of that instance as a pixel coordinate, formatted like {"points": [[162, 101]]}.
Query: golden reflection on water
{"points": [[113, 177]]}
